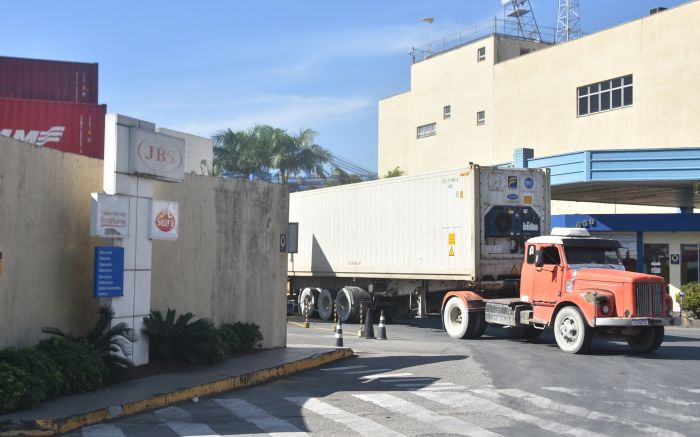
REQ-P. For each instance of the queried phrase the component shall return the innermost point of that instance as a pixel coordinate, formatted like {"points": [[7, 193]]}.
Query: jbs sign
{"points": [[156, 155]]}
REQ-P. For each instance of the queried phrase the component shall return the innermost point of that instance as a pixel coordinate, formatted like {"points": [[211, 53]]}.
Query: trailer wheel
{"points": [[648, 339], [459, 322], [325, 303], [571, 331], [309, 295], [348, 302]]}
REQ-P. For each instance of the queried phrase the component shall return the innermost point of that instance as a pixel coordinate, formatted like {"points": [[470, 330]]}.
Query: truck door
{"points": [[548, 279]]}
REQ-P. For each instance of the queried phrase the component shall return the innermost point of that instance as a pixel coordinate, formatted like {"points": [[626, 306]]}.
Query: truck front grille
{"points": [[649, 300]]}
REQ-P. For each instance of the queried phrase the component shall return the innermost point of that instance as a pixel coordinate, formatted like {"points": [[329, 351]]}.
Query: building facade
{"points": [[631, 86]]}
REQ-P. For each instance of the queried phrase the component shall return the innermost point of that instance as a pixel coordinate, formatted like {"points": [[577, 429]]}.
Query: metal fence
{"points": [[478, 31]]}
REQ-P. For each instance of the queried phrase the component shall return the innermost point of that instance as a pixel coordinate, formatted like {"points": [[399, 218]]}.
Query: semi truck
{"points": [[474, 246]]}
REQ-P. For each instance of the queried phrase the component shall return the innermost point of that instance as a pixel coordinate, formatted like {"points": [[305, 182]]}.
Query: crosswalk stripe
{"points": [[564, 390], [359, 372], [102, 430], [486, 406], [435, 384], [359, 424], [656, 397], [370, 378], [335, 369], [395, 380], [446, 423], [179, 420], [270, 424], [575, 410]]}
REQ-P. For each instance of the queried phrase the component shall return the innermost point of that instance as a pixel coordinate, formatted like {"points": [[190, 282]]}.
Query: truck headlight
{"points": [[605, 308]]}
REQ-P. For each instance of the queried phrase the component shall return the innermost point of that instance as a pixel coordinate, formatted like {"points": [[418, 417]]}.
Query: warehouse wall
{"points": [[226, 264], [45, 241]]}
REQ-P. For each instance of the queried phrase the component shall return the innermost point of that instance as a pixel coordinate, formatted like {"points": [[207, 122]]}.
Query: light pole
{"points": [[430, 41]]}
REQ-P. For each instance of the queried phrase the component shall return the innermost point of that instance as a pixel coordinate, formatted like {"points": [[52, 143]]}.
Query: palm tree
{"points": [[244, 152], [293, 154]]}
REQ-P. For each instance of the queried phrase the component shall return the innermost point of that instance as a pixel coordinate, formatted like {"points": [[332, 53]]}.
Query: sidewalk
{"points": [[68, 413]]}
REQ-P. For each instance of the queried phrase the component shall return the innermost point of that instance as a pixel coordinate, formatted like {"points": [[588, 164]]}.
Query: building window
{"points": [[689, 263], [605, 96], [481, 54], [446, 112], [426, 130], [480, 118]]}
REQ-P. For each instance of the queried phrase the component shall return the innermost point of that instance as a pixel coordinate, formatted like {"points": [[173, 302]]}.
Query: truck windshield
{"points": [[581, 257]]}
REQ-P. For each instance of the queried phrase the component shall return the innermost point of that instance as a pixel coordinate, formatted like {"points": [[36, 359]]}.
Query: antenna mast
{"points": [[568, 21], [518, 15]]}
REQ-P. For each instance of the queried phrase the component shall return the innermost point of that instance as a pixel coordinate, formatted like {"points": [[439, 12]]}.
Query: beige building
{"points": [[631, 86]]}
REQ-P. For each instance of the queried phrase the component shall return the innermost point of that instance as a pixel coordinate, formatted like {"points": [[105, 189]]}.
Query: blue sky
{"points": [[201, 66]]}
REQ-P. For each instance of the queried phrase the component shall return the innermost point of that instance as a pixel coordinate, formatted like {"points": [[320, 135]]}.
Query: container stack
{"points": [[52, 104]]}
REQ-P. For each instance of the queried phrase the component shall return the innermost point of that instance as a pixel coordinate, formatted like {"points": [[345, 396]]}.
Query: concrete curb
{"points": [[48, 427]]}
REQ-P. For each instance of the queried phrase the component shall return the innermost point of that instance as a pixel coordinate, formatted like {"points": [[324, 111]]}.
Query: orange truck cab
{"points": [[575, 284]]}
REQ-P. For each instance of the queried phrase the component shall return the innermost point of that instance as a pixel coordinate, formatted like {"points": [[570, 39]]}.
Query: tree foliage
{"points": [[341, 177], [263, 147], [394, 173]]}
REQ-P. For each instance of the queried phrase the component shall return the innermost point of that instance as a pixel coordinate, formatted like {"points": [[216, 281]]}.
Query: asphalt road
{"points": [[421, 382]]}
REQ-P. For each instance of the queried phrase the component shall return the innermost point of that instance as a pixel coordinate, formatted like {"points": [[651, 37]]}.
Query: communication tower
{"points": [[568, 21], [520, 20]]}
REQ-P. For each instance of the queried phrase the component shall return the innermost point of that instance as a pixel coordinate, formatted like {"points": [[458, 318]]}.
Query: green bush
{"points": [[691, 301], [79, 362], [44, 379], [181, 339], [231, 339], [112, 342], [12, 387], [248, 333]]}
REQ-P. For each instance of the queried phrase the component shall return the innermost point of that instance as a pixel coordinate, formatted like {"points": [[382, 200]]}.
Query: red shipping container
{"points": [[48, 80], [70, 127]]}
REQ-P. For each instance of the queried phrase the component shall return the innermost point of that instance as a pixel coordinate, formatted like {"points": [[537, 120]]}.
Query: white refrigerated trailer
{"points": [[400, 244]]}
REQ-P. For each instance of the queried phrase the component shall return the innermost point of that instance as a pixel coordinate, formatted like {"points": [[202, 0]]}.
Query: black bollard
{"points": [[339, 334]]}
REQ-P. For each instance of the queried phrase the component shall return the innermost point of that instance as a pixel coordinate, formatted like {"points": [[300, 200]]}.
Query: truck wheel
{"points": [[479, 325], [571, 331], [348, 302], [648, 339], [309, 295], [325, 303], [459, 323]]}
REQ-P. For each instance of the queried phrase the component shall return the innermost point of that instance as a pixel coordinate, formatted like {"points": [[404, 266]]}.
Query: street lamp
{"points": [[430, 41]]}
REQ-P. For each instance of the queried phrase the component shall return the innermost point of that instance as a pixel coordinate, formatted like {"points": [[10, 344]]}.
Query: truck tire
{"points": [[479, 325], [348, 302], [648, 339], [458, 321], [310, 295], [571, 331], [326, 299]]}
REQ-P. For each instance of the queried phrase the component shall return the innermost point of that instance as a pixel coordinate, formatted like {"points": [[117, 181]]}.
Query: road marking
{"points": [[564, 390], [486, 406], [359, 424], [435, 384], [692, 390], [447, 423], [358, 372], [671, 415], [395, 380], [370, 378], [270, 424], [335, 369], [103, 430], [575, 410], [660, 398], [179, 420]]}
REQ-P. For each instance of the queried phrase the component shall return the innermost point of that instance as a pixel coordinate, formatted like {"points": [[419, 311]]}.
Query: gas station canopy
{"points": [[655, 177]]}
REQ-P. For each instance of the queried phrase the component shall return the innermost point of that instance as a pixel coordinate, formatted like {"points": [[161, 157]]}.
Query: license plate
{"points": [[640, 322]]}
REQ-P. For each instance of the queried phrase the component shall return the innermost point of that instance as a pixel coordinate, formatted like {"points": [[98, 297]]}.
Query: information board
{"points": [[109, 272]]}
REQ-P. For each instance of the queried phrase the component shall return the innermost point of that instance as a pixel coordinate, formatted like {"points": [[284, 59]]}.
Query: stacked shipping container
{"points": [[52, 104]]}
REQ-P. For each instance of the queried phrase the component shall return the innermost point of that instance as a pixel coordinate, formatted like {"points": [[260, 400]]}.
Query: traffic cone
{"points": [[339, 334], [382, 327], [369, 324]]}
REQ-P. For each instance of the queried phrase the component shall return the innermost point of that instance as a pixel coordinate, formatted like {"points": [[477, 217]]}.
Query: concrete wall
{"points": [[45, 241], [226, 264], [530, 101]]}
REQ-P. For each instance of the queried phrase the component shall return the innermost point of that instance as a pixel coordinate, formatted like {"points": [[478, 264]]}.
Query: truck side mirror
{"points": [[539, 259]]}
